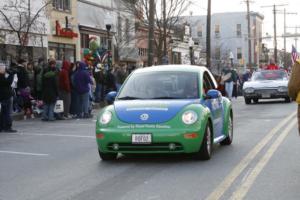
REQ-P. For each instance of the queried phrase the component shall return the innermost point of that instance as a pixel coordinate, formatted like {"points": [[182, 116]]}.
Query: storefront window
{"points": [[62, 51], [84, 40]]}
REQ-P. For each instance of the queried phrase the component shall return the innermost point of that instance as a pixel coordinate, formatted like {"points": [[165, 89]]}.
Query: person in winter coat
{"points": [[30, 75], [74, 95], [294, 88], [99, 78], [110, 82], [82, 82], [120, 77], [39, 70], [228, 79], [50, 91], [65, 87], [6, 94], [272, 66], [23, 80]]}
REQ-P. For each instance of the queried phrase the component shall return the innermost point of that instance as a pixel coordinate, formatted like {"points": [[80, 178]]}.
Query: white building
{"points": [[229, 33], [33, 37], [182, 47]]}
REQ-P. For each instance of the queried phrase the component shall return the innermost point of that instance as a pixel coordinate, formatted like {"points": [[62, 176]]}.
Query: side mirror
{"points": [[110, 97], [213, 94]]}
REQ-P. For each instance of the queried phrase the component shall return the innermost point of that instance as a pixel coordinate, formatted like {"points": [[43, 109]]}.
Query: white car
{"points": [[266, 84]]}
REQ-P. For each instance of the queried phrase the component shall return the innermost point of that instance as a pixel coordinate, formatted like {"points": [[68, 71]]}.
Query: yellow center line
{"points": [[230, 178], [243, 189]]}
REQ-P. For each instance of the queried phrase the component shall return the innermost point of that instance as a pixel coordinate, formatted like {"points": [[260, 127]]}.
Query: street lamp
{"points": [[231, 58], [108, 21], [191, 43]]}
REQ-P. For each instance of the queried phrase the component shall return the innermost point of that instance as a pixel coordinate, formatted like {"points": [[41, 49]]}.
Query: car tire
{"points": [[287, 99], [205, 150], [107, 156], [229, 138], [255, 100], [247, 100]]}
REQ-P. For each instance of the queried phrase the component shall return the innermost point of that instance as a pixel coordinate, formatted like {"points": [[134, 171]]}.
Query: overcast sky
{"points": [[199, 8]]}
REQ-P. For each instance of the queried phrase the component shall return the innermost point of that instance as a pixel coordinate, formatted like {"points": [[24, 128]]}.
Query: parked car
{"points": [[266, 84], [165, 109]]}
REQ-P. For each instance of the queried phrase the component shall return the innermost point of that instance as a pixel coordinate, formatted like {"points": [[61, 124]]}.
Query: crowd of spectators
{"points": [[37, 86]]}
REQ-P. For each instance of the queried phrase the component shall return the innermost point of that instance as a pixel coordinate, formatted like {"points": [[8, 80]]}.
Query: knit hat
{"points": [[52, 62]]}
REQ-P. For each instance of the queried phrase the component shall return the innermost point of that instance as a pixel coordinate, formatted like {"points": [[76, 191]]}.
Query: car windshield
{"points": [[269, 75], [161, 85]]}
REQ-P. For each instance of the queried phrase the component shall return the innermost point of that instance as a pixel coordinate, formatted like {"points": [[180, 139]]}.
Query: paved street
{"points": [[59, 160]]}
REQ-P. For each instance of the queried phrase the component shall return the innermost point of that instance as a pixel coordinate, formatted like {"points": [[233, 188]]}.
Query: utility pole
{"points": [[275, 34], [151, 32], [208, 30], [249, 36]]}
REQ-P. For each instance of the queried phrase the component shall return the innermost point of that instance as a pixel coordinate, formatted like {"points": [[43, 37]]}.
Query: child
{"points": [[27, 98]]}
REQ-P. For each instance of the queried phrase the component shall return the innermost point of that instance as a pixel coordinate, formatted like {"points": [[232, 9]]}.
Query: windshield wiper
{"points": [[128, 98]]}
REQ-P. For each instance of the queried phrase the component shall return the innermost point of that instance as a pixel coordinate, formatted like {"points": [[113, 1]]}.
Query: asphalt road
{"points": [[59, 160]]}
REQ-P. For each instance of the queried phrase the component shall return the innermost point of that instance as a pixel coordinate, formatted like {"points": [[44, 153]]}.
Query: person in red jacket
{"points": [[272, 66], [65, 87]]}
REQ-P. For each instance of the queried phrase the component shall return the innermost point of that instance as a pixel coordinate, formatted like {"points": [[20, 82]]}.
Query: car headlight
{"points": [[249, 90], [105, 117], [282, 89], [189, 117]]}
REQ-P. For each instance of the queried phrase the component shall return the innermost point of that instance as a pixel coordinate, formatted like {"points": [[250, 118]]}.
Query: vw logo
{"points": [[144, 117]]}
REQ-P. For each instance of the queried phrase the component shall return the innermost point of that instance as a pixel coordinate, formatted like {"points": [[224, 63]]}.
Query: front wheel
{"points": [[229, 138], [107, 156], [287, 99], [205, 150], [255, 100], [247, 100]]}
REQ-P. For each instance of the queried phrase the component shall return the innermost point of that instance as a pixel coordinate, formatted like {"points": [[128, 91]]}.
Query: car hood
{"points": [[265, 84], [149, 111]]}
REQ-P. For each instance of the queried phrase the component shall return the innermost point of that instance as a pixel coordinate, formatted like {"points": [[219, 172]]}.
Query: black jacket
{"points": [[5, 86], [50, 86], [23, 80]]}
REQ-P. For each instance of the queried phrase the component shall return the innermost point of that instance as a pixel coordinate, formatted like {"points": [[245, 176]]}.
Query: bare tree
{"points": [[172, 9], [22, 20]]}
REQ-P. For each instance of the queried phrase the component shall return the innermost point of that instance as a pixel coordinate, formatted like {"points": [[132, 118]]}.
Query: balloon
{"points": [[85, 52]]}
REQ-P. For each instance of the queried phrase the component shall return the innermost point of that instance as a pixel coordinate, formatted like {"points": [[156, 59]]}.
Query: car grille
{"points": [[146, 147], [266, 91]]}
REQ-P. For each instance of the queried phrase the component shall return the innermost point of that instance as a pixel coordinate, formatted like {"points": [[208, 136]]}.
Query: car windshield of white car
{"points": [[269, 75], [161, 85]]}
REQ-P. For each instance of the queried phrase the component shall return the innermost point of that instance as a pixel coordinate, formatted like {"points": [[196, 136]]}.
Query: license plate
{"points": [[141, 138], [266, 95]]}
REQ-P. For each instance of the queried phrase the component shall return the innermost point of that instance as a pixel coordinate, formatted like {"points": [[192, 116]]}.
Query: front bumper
{"points": [[266, 94], [161, 139]]}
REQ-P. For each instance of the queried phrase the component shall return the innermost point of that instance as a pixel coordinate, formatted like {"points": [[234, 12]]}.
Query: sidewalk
{"points": [[20, 115]]}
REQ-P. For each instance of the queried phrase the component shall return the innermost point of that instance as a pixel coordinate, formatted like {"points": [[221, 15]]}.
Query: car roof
{"points": [[179, 68]]}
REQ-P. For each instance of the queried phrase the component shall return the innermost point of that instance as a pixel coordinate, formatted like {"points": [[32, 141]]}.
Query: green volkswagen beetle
{"points": [[165, 109]]}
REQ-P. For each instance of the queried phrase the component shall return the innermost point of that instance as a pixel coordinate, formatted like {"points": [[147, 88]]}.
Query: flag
{"points": [[294, 54]]}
